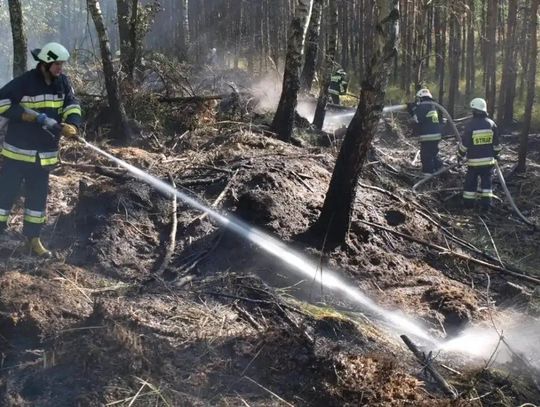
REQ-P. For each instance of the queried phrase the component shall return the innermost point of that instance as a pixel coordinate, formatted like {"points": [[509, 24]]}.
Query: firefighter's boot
{"points": [[37, 248]]}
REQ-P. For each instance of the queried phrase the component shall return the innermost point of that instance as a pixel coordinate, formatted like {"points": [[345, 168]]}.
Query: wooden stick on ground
{"points": [[429, 367], [172, 236], [218, 200], [430, 217], [444, 250], [196, 98], [269, 391]]}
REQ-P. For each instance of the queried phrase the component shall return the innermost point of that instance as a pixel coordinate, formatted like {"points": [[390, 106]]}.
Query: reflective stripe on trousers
{"points": [[36, 179]]}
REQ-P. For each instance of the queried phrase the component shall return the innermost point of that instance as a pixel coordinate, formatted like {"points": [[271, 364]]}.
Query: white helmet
{"points": [[479, 104], [51, 52], [424, 93]]}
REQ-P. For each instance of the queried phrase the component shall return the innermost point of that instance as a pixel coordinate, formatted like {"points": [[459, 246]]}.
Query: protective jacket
{"points": [[427, 121], [29, 142], [480, 142], [338, 85]]}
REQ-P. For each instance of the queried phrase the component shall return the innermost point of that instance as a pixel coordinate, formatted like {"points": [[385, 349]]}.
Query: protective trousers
{"points": [[429, 151], [334, 98], [471, 192], [36, 185]]}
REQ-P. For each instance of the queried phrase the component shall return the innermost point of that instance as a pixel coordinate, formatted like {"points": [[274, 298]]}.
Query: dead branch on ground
{"points": [[172, 237], [443, 250]]}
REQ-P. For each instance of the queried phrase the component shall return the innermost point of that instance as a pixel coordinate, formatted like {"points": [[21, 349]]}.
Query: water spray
{"points": [[298, 262], [276, 248]]}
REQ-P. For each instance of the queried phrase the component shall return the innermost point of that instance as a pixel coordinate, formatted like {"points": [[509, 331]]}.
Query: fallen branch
{"points": [[172, 237], [196, 258], [269, 391], [299, 178], [492, 242], [248, 317], [195, 98], [201, 181], [444, 250], [111, 172], [463, 243], [426, 363], [189, 99], [218, 200]]}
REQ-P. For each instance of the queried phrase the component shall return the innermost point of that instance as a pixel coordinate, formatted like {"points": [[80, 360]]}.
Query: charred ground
{"points": [[225, 324]]}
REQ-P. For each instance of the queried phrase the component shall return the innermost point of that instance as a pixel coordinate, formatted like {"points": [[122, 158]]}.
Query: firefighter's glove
{"points": [[45, 121], [70, 131], [410, 107], [28, 117]]}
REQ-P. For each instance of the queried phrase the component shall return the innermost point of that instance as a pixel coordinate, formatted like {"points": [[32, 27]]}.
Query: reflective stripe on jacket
{"points": [[30, 156], [338, 85], [426, 118], [480, 142], [28, 141]]}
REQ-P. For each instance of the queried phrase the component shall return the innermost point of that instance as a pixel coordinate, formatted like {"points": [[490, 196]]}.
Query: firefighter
{"points": [[338, 86], [480, 146], [41, 107], [212, 58], [427, 126]]}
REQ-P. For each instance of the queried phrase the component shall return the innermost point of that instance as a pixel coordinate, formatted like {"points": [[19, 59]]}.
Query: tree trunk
{"points": [[337, 210], [471, 65], [130, 46], [453, 53], [122, 15], [284, 119], [320, 110], [19, 39], [442, 57], [491, 51], [505, 111], [531, 79], [185, 27], [134, 39], [118, 114], [312, 45]]}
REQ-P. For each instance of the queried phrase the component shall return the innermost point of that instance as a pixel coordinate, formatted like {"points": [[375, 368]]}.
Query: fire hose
{"points": [[400, 108], [387, 109], [509, 197]]}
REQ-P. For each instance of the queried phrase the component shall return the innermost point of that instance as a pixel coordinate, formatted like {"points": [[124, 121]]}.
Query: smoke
{"points": [[268, 91], [515, 337]]}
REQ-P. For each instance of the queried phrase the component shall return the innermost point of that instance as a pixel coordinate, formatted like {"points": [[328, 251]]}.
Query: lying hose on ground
{"points": [[399, 108], [509, 197], [435, 174]]}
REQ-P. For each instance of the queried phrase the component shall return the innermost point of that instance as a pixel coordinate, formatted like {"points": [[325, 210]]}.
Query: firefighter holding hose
{"points": [[480, 147], [41, 107]]}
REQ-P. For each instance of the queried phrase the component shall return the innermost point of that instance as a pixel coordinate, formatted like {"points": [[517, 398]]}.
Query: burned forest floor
{"points": [[126, 315]]}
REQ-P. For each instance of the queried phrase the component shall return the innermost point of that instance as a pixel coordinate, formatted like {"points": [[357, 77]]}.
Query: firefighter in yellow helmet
{"points": [[41, 107]]}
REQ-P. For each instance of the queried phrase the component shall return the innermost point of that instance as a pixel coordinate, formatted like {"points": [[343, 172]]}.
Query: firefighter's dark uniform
{"points": [[29, 152], [427, 127], [480, 144], [338, 86]]}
